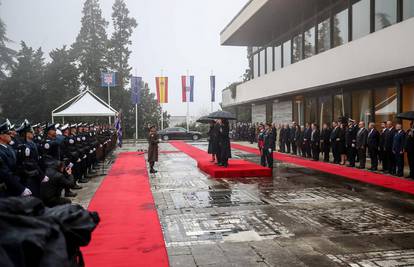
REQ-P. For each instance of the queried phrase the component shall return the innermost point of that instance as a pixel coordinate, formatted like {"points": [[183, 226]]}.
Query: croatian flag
{"points": [[188, 88]]}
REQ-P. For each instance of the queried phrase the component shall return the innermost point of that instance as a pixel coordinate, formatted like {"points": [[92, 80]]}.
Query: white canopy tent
{"points": [[85, 104]]}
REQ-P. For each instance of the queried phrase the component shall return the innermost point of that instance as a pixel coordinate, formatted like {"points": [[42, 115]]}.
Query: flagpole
{"points": [[211, 92], [188, 105], [109, 102], [162, 114], [136, 112]]}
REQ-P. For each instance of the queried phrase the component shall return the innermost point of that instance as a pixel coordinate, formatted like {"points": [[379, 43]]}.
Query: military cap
{"points": [[5, 127], [50, 127], [24, 127], [79, 125], [37, 125], [64, 127], [73, 126]]}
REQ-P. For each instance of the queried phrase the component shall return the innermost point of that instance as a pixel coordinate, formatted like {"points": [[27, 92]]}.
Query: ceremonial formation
{"points": [[42, 160]]}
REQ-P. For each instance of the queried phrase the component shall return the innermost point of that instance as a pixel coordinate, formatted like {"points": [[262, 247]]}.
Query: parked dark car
{"points": [[178, 133]]}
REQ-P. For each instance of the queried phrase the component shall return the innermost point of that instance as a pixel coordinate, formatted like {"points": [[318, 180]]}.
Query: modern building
{"points": [[317, 60]]}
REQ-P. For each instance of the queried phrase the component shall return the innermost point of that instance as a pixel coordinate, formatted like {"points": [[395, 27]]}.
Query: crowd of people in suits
{"points": [[47, 161], [219, 142], [344, 142]]}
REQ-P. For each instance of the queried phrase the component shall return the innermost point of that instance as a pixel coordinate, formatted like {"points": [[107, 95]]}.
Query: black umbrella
{"points": [[409, 115], [205, 119], [222, 115]]}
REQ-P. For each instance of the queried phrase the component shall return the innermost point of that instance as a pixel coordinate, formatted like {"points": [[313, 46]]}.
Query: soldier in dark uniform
{"points": [[60, 177], [409, 148], [70, 154], [282, 139], [373, 142], [28, 159], [325, 143], [287, 138], [268, 146], [10, 184], [350, 142], [153, 140], [315, 142]]}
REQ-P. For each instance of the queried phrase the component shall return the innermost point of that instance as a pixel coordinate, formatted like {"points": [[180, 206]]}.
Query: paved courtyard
{"points": [[298, 218]]}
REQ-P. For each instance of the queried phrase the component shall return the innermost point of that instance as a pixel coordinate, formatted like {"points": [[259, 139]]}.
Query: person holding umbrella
{"points": [[224, 143], [212, 140]]}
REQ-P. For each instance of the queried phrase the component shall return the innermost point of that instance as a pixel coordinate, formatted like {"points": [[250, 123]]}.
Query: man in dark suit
{"points": [[306, 141], [361, 144], [268, 145], [409, 148], [389, 154], [325, 144], [350, 142], [287, 138], [282, 139], [373, 144], [315, 142], [332, 139], [398, 149], [293, 137], [381, 152]]}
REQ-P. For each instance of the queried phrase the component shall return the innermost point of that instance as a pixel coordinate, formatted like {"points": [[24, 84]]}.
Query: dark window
{"points": [[385, 104], [361, 106], [325, 109], [361, 19], [385, 13], [269, 56], [408, 6], [342, 105], [256, 65], [340, 28], [310, 42], [311, 110], [297, 48], [324, 36]]}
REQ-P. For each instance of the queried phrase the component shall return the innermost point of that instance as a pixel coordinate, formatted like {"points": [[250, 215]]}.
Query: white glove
{"points": [[45, 179], [26, 192], [79, 160], [270, 150]]}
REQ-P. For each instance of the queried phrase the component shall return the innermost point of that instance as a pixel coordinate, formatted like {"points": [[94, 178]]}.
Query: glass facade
{"points": [[408, 9], [330, 31], [311, 110], [278, 57], [325, 110], [407, 101], [340, 28], [324, 36], [269, 59], [310, 42], [255, 65], [361, 19], [287, 53], [385, 13], [361, 106], [385, 104], [262, 68], [297, 48], [298, 110], [341, 105]]}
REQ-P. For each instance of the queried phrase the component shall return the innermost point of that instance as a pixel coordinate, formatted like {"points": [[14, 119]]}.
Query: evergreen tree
{"points": [[6, 54], [24, 91], [61, 78], [119, 51], [90, 48]]}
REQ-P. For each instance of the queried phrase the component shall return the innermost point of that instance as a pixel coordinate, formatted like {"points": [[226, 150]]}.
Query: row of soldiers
{"points": [[43, 160], [350, 141]]}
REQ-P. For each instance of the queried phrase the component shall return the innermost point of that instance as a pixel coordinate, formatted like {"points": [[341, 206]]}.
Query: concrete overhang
{"points": [[261, 21]]}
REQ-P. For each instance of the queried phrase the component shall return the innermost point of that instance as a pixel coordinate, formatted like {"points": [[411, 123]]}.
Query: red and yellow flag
{"points": [[162, 89]]}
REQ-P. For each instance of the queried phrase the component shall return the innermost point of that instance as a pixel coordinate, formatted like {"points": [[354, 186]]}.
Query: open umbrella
{"points": [[205, 119], [222, 115], [409, 115]]}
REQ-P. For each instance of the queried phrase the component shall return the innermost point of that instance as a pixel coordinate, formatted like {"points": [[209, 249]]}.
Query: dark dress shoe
{"points": [[70, 194], [153, 171], [76, 187], [83, 180]]}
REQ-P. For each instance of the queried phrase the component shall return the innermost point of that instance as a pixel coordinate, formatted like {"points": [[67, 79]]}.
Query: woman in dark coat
{"points": [[224, 143], [153, 140], [212, 141]]}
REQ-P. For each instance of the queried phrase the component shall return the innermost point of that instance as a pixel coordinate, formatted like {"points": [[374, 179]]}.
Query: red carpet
{"points": [[390, 182], [129, 233], [236, 169]]}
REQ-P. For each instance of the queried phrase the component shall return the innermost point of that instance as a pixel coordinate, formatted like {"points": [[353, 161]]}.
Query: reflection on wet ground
{"points": [[300, 217]]}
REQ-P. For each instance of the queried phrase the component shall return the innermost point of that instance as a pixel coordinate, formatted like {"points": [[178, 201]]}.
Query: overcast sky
{"points": [[173, 36]]}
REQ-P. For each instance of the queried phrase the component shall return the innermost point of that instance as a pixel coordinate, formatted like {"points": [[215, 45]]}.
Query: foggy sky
{"points": [[172, 35]]}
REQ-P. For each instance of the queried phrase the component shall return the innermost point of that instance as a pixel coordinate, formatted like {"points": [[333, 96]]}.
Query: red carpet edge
{"points": [[385, 181], [129, 233]]}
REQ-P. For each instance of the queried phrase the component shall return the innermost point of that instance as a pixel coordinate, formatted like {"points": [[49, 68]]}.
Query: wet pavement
{"points": [[300, 217]]}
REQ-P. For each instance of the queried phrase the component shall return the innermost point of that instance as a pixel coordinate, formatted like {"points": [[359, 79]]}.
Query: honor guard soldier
{"points": [[10, 184], [28, 160], [70, 153]]}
